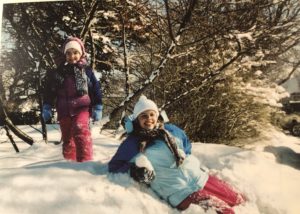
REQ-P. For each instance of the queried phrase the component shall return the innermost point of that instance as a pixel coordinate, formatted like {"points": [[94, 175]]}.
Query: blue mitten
{"points": [[47, 113], [97, 112], [127, 124]]}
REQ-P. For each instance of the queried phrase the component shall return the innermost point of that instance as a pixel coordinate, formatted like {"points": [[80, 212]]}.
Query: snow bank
{"points": [[39, 180]]}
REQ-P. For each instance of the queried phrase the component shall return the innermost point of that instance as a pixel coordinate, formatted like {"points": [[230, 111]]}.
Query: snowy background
{"points": [[39, 180]]}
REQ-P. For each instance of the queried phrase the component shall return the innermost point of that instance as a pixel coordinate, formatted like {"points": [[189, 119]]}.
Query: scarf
{"points": [[148, 136], [81, 81]]}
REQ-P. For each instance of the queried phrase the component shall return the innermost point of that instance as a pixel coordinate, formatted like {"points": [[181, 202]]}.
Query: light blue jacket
{"points": [[171, 183]]}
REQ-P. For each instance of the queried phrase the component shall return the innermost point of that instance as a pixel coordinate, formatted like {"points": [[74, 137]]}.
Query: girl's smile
{"points": [[72, 56], [148, 119]]}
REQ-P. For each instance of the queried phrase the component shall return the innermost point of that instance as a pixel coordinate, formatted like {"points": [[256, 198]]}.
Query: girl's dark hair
{"points": [[136, 126]]}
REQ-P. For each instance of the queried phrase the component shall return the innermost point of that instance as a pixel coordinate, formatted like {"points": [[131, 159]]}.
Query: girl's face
{"points": [[72, 56], [148, 119]]}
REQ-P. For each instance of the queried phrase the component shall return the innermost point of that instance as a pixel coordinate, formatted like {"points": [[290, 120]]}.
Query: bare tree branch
{"points": [[93, 51], [160, 67], [205, 80], [10, 137], [12, 127], [169, 21], [37, 35], [88, 20], [295, 67]]}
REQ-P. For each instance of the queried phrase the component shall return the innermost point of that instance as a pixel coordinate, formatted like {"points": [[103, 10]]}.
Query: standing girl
{"points": [[159, 155], [76, 93]]}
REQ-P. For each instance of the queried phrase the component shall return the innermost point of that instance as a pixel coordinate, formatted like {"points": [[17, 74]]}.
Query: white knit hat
{"points": [[73, 44], [142, 105]]}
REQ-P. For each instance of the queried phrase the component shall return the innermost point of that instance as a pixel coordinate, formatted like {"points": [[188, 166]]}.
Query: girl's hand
{"points": [[142, 174], [97, 113]]}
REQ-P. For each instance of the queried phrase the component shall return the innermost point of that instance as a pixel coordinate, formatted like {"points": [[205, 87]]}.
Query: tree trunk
{"points": [[11, 139], [7, 122], [44, 127]]}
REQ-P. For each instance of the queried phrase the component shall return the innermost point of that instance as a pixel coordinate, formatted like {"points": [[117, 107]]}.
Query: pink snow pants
{"points": [[76, 136], [216, 194]]}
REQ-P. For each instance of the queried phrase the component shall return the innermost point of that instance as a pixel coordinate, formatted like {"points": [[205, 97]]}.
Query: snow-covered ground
{"points": [[38, 180]]}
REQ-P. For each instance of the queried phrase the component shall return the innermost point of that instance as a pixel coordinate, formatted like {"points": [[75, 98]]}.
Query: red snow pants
{"points": [[76, 136], [216, 194]]}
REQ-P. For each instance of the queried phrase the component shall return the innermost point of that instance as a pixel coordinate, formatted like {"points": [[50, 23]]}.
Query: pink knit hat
{"points": [[76, 43]]}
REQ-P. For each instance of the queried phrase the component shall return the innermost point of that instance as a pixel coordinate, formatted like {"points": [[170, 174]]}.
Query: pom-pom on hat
{"points": [[142, 105]]}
